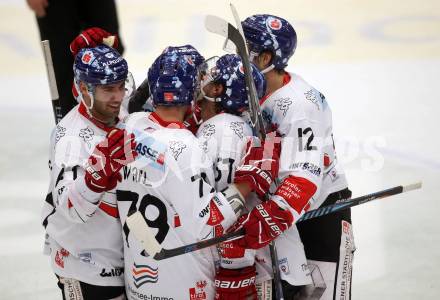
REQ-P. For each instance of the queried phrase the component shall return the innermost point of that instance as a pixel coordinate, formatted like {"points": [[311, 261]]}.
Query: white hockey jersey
{"points": [[84, 239], [225, 137], [169, 183], [302, 116]]}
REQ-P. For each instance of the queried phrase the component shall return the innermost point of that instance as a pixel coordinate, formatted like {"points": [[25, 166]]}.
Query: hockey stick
{"points": [[146, 237], [52, 81], [221, 27], [255, 109]]}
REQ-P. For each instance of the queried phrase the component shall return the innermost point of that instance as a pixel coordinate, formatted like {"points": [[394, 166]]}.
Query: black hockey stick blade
{"points": [[221, 27], [142, 232]]}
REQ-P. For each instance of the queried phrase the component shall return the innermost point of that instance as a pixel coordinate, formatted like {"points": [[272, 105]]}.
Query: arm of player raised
{"points": [[80, 183]]}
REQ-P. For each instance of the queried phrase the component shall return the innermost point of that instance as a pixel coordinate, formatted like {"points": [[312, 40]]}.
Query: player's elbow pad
{"points": [[296, 192]]}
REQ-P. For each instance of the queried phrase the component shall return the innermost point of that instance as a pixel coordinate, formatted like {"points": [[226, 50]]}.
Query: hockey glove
{"points": [[262, 225], [93, 37], [260, 165], [109, 156], [236, 284]]}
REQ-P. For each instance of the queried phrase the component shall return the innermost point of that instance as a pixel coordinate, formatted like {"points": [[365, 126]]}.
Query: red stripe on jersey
{"points": [[297, 191], [144, 270], [83, 111], [108, 209], [168, 124]]}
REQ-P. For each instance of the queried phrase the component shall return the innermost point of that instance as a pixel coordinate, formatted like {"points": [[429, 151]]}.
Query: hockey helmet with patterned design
{"points": [[173, 76], [100, 65], [270, 33], [228, 71]]}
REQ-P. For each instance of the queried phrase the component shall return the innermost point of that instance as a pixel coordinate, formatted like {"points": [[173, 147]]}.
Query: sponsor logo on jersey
{"points": [[176, 148], [133, 293], [215, 215], [237, 128], [204, 211], [312, 168], [150, 153], [283, 104], [345, 262], [116, 272], [143, 274], [154, 151], [274, 23], [198, 292]]}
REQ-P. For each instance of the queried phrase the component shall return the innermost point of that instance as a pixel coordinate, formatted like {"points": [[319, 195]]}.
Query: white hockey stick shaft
{"points": [[52, 80]]}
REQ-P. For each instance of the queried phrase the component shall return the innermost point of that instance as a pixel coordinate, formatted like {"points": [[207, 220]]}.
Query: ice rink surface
{"points": [[378, 64]]}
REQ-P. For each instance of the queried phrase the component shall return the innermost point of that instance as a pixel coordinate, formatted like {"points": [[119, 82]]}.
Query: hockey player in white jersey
{"points": [[310, 173], [83, 231], [224, 133], [171, 185]]}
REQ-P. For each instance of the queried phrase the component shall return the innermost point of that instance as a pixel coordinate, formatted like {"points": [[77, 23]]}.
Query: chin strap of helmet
{"points": [[253, 55]]}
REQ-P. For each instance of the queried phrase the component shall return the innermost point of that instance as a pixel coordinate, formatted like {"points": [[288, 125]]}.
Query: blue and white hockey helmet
{"points": [[228, 71], [173, 76], [270, 33], [100, 65]]}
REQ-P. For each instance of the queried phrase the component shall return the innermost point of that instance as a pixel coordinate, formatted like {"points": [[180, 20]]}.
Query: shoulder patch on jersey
{"points": [[60, 131], [176, 148], [208, 130], [237, 128], [283, 104], [87, 135], [317, 98]]}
